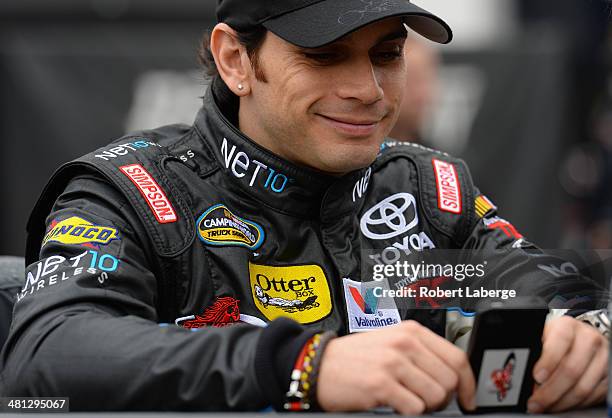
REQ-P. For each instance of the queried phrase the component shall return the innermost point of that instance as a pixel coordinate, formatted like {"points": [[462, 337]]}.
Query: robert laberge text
{"points": [[445, 293]]}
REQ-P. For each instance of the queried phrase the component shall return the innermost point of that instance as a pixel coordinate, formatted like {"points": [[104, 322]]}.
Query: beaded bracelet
{"points": [[305, 372]]}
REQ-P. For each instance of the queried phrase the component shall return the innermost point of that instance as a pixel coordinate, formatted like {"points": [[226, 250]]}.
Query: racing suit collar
{"points": [[269, 178]]}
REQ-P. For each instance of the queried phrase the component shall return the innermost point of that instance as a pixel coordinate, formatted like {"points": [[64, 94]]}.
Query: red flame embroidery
{"points": [[224, 311]]}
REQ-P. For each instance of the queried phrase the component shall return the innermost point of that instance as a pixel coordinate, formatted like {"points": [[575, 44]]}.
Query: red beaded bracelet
{"points": [[305, 370]]}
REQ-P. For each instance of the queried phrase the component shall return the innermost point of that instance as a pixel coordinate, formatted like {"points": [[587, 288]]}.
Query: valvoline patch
{"points": [[219, 226]]}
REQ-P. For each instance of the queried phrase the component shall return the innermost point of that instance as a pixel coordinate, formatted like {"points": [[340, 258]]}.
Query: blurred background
{"points": [[523, 94]]}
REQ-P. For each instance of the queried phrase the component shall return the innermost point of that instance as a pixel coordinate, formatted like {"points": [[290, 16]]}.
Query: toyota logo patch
{"points": [[390, 217]]}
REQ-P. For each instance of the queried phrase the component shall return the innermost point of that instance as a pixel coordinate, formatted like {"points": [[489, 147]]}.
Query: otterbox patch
{"points": [[297, 292]]}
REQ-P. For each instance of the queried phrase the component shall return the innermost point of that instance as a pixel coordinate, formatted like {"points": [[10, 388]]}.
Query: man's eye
{"points": [[321, 56], [389, 55]]}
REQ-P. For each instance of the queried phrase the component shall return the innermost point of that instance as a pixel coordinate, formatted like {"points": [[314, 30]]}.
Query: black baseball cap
{"points": [[314, 23]]}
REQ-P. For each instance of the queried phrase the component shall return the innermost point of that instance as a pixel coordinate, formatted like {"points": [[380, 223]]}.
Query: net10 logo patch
{"points": [[57, 269]]}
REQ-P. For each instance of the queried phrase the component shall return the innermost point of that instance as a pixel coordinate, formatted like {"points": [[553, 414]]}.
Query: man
{"points": [[259, 214]]}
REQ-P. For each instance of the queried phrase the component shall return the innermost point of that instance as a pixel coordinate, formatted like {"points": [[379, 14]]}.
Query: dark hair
{"points": [[252, 41]]}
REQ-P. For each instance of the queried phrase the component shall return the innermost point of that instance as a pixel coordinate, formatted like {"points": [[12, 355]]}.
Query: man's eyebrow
{"points": [[400, 34]]}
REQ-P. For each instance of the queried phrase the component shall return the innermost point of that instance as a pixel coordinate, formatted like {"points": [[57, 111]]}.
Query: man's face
{"points": [[327, 108]]}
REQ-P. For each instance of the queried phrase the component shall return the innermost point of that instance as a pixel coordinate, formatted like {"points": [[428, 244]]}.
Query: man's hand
{"points": [[406, 367], [573, 369]]}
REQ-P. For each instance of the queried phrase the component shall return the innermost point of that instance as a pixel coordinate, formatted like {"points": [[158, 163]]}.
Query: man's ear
{"points": [[231, 58]]}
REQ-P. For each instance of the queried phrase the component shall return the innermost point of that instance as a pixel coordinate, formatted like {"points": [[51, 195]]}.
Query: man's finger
{"points": [[588, 383], [421, 384], [598, 395], [568, 373], [433, 366], [557, 341], [403, 401], [457, 360]]}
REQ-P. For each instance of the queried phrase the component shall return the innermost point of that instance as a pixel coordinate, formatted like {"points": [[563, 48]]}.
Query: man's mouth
{"points": [[352, 126]]}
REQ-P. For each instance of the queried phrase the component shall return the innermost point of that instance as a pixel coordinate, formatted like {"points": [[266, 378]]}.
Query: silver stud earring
{"points": [[240, 87]]}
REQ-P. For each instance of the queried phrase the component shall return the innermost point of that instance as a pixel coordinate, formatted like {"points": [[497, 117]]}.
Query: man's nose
{"points": [[361, 83]]}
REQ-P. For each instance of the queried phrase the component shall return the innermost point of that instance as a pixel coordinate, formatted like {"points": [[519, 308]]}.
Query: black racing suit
{"points": [[11, 280], [198, 225]]}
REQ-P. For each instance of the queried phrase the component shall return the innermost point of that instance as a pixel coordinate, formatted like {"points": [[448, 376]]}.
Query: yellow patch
{"points": [[219, 226], [78, 231], [483, 206], [297, 292]]}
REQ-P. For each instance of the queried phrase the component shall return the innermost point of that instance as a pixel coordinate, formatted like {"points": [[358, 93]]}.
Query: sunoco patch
{"points": [[78, 231], [219, 226]]}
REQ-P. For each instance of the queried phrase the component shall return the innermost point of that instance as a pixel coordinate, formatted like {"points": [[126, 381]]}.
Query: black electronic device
{"points": [[505, 344]]}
